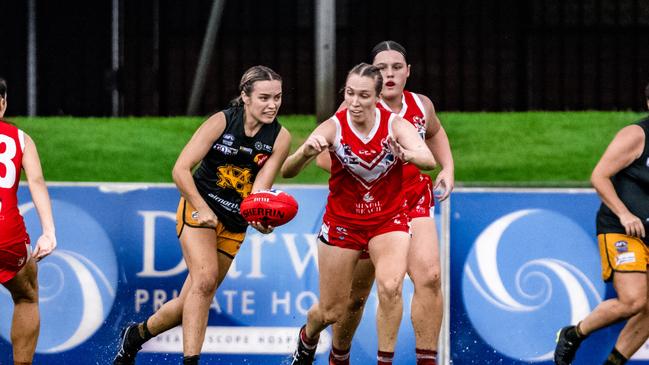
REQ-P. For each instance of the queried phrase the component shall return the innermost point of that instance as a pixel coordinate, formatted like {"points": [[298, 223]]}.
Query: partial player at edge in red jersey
{"points": [[18, 264]]}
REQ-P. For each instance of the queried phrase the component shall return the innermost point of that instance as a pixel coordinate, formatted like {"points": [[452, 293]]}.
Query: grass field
{"points": [[490, 149]]}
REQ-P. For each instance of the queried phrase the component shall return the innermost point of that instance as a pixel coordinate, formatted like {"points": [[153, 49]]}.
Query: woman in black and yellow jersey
{"points": [[238, 151], [621, 179]]}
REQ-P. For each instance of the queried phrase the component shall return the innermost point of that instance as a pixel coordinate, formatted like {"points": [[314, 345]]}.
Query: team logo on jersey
{"points": [[228, 151], [259, 146], [260, 159], [342, 232], [237, 178], [368, 198], [348, 157], [246, 150], [366, 172], [367, 152]]}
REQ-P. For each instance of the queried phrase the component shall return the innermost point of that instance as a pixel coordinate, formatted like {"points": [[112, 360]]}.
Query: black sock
{"points": [[615, 358], [191, 360], [133, 338], [573, 335], [145, 330]]}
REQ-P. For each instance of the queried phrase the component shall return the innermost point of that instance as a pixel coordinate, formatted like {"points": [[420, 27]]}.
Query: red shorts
{"points": [[419, 197], [338, 233], [12, 259]]}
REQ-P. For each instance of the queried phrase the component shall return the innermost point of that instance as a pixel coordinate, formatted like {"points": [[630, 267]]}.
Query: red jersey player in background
{"points": [[423, 259], [18, 270], [364, 211]]}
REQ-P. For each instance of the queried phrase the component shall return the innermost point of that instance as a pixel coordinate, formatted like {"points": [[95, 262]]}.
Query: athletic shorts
{"points": [[419, 200], [227, 243], [419, 197], [12, 259], [338, 233], [622, 253]]}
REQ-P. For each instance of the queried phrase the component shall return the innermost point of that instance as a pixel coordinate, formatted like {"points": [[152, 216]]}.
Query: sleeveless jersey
{"points": [[12, 145], [632, 186], [366, 178], [228, 170], [412, 111]]}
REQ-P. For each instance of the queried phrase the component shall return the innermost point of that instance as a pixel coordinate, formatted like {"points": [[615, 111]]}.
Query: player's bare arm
{"points": [[192, 154], [409, 147], [268, 172], [438, 143], [626, 147], [31, 164], [317, 142]]}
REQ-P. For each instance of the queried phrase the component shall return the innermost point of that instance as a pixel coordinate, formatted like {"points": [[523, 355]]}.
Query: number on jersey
{"points": [[6, 157]]}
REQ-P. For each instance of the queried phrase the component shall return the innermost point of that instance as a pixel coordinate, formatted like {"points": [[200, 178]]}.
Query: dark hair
{"points": [[252, 75], [388, 46], [3, 88], [364, 69], [646, 92]]}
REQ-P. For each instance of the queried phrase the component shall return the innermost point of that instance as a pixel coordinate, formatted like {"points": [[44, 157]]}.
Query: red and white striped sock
{"points": [[309, 343], [426, 357], [338, 357], [384, 358]]}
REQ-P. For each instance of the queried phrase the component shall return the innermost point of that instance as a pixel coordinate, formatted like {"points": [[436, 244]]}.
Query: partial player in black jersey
{"points": [[240, 150], [621, 179]]}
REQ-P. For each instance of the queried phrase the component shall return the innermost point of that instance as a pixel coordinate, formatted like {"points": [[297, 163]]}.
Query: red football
{"points": [[270, 207]]}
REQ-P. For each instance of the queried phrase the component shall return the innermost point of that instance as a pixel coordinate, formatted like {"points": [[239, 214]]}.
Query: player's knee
{"points": [[332, 312], [427, 279], [633, 306], [204, 285], [389, 290], [356, 303]]}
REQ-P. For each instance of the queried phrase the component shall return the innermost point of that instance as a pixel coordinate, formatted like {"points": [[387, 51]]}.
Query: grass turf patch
{"points": [[490, 149]]}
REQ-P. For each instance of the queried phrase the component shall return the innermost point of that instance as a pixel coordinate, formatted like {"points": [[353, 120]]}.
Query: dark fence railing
{"points": [[467, 55]]}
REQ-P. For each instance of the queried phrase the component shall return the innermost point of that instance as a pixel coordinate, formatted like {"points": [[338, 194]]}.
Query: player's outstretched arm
{"points": [[32, 165], [409, 147], [318, 141]]}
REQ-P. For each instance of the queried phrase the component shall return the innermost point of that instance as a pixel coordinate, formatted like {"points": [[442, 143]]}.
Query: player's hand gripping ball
{"points": [[269, 207]]}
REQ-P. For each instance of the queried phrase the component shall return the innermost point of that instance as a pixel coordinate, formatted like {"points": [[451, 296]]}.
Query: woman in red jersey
{"points": [[368, 147], [17, 263], [423, 257]]}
